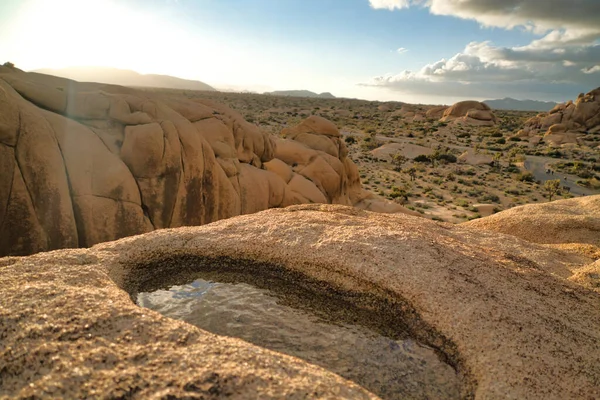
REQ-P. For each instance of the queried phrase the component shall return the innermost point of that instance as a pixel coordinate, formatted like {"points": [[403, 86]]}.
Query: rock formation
{"points": [[575, 220], [473, 157], [436, 112], [409, 113], [572, 225], [384, 107], [84, 163], [503, 311], [469, 112], [408, 150], [565, 121]]}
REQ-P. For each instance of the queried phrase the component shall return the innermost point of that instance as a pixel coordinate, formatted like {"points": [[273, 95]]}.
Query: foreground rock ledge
{"points": [[498, 308]]}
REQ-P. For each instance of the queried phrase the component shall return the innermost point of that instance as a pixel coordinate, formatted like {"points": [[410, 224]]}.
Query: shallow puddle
{"points": [[392, 369]]}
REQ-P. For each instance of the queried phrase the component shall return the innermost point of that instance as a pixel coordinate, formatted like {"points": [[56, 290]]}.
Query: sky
{"points": [[416, 51]]}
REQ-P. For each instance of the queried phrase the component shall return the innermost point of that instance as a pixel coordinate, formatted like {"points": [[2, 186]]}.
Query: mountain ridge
{"points": [[125, 77], [301, 93], [509, 103]]}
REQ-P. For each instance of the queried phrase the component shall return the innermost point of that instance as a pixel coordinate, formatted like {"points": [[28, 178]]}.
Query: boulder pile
{"points": [[84, 163], [469, 113], [566, 121]]}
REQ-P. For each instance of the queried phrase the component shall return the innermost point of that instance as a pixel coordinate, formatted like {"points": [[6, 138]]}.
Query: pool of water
{"points": [[392, 369]]}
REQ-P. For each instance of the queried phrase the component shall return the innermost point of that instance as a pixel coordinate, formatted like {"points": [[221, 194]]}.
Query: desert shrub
{"points": [[594, 183], [585, 174], [370, 142], [554, 154], [526, 177], [496, 134], [514, 139], [450, 158], [398, 159], [401, 193], [466, 172], [461, 203], [350, 140], [589, 183], [422, 158], [456, 189], [474, 192], [501, 141], [488, 197]]}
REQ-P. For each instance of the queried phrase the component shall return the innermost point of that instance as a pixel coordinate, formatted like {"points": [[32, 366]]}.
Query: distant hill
{"points": [[301, 93], [520, 105], [125, 77]]}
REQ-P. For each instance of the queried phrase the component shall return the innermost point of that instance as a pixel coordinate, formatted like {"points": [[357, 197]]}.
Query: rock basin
{"points": [[512, 317], [317, 328]]}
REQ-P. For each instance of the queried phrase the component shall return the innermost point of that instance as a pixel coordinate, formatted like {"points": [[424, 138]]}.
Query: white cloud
{"points": [[571, 37], [401, 50], [538, 16], [389, 4], [483, 68], [564, 60], [592, 70]]}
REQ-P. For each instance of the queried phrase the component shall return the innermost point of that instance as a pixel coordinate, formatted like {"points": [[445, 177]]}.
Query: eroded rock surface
{"points": [[436, 112], [84, 163], [562, 124], [572, 225], [575, 220], [502, 310], [470, 113]]}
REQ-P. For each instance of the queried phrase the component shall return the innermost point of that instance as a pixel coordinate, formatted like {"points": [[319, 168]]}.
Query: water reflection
{"points": [[388, 368]]}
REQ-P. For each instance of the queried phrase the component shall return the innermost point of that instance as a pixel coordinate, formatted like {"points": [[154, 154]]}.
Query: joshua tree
{"points": [[497, 158], [370, 142], [413, 173], [552, 187], [401, 193], [398, 160], [433, 157]]}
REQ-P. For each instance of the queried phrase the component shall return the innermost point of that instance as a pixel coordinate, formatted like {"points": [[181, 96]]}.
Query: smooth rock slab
{"points": [[499, 309]]}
